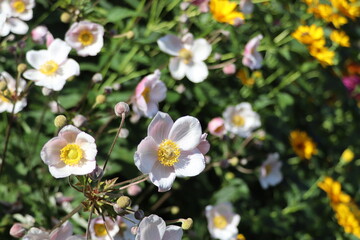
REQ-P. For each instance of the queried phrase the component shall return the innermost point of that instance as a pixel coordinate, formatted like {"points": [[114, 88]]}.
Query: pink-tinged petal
{"points": [[63, 232], [158, 92], [59, 51], [197, 72], [17, 26], [146, 155], [177, 68], [69, 133], [83, 137], [152, 109], [204, 145], [191, 163], [201, 50], [85, 167], [151, 228], [186, 132], [173, 232], [162, 176], [160, 126], [60, 170], [50, 153], [37, 58], [252, 44], [70, 68], [170, 44]]}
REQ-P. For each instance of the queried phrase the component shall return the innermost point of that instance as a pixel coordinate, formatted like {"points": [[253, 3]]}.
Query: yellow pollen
{"points": [[71, 154], [238, 120], [100, 230], [220, 222], [146, 94], [168, 153], [19, 6], [185, 55], [49, 68], [86, 37], [5, 95]]}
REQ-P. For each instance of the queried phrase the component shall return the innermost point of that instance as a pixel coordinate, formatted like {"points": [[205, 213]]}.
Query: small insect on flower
{"points": [[71, 152]]}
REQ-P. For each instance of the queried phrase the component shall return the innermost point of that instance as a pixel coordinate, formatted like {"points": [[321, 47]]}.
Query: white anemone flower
{"points": [[189, 57], [148, 93], [11, 23], [270, 171], [52, 67], [222, 221], [154, 227], [71, 152], [9, 95], [2, 21], [241, 119], [86, 38], [22, 9], [171, 149], [101, 230]]}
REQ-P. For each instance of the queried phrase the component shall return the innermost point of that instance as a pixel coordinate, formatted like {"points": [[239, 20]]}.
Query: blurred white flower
{"points": [[189, 57], [86, 38], [101, 230], [270, 171], [241, 119], [170, 150], [154, 227], [55, 107], [246, 6], [52, 67], [222, 221], [79, 120], [148, 93], [41, 35], [252, 58], [71, 152], [64, 232], [9, 94]]}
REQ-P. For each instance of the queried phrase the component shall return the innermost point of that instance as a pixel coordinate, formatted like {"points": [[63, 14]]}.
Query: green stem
{"points": [[67, 217]]}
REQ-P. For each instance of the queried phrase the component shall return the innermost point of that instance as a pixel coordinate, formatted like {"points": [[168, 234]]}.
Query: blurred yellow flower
{"points": [[240, 237], [225, 11], [242, 75], [333, 190], [310, 35], [349, 9], [340, 38], [302, 144], [322, 54], [347, 155]]}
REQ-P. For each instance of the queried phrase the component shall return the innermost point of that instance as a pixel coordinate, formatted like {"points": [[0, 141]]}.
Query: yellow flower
{"points": [[333, 190], [340, 38], [323, 55], [347, 155], [309, 35], [243, 76], [240, 237], [225, 11], [337, 20], [302, 144], [351, 10]]}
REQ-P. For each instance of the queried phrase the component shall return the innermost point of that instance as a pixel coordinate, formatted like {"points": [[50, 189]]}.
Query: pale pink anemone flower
{"points": [[41, 35], [171, 149], [148, 93], [222, 221], [252, 58], [270, 171], [217, 127], [52, 67], [10, 94], [202, 4], [154, 227], [64, 232], [71, 152], [189, 57], [247, 6], [101, 230], [86, 38]]}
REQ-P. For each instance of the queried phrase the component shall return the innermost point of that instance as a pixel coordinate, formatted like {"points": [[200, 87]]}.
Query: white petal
{"points": [[84, 168], [59, 171], [69, 132], [37, 58], [170, 44], [201, 50], [50, 153], [186, 132], [160, 126], [177, 68], [5, 30], [152, 109], [151, 228], [158, 92], [33, 75], [162, 176], [191, 163], [17, 26], [197, 72], [55, 83], [59, 50], [173, 233], [70, 68], [146, 155]]}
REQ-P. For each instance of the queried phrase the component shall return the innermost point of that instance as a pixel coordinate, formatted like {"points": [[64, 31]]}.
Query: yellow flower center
{"points": [[100, 230], [268, 169], [220, 222], [19, 6], [185, 55], [71, 154], [49, 68], [238, 120], [5, 95], [146, 94], [86, 37], [168, 153]]}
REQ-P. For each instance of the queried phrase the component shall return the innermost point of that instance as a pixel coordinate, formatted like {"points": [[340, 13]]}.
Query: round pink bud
{"points": [[133, 190], [229, 69], [216, 127], [17, 230], [120, 108]]}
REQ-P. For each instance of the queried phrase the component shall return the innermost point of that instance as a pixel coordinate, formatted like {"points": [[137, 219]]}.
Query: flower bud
{"points": [[65, 17], [97, 78], [133, 190], [3, 85], [229, 69], [79, 120], [21, 67], [120, 108], [347, 156], [46, 91], [187, 224], [60, 121], [123, 202], [17, 230], [139, 214], [233, 161], [100, 99], [174, 210], [96, 174]]}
